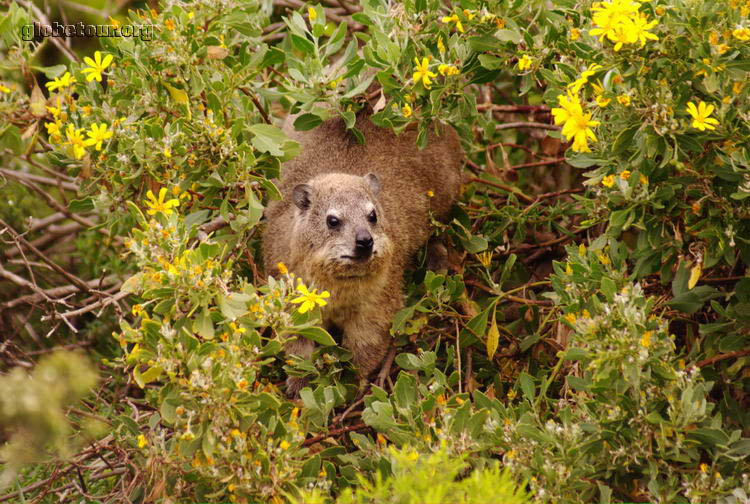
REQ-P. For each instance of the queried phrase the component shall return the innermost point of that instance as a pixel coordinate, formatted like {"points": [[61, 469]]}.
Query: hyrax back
{"points": [[351, 216]]}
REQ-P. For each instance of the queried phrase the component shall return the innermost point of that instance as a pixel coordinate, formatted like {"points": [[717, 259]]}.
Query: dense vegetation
{"points": [[584, 339]]}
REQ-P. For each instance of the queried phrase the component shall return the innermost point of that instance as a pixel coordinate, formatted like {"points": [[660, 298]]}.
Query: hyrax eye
{"points": [[332, 222], [373, 217]]}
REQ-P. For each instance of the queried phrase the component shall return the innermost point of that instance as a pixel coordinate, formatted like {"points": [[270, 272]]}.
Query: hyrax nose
{"points": [[363, 242]]}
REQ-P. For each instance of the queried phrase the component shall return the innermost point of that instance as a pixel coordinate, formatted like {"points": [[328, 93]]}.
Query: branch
{"points": [[512, 108], [72, 278], [510, 189], [720, 357], [514, 125], [50, 294], [18, 175], [43, 20]]}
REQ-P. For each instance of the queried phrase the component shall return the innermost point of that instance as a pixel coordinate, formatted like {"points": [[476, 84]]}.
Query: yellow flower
{"points": [[159, 205], [701, 119], [284, 445], [742, 34], [485, 258], [639, 29], [169, 24], [646, 339], [142, 441], [422, 73], [96, 66], [576, 125], [660, 11], [441, 45], [136, 310], [191, 14], [624, 100], [568, 269], [644, 179], [599, 94], [524, 63], [510, 395], [114, 22], [579, 129], [310, 299], [603, 259], [406, 110], [571, 318], [625, 175], [61, 82], [4, 89], [575, 34], [608, 181], [97, 135], [582, 250], [704, 468], [454, 19], [312, 13], [54, 131], [737, 87], [576, 85], [448, 70], [723, 48], [282, 268], [75, 140]]}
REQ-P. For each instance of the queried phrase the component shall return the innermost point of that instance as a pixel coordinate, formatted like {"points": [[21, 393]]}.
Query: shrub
{"points": [[588, 328]]}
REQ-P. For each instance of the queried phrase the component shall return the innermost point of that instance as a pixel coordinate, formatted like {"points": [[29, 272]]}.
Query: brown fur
{"points": [[364, 294]]}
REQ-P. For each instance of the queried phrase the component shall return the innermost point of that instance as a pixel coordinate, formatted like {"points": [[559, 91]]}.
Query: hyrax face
{"points": [[339, 226]]}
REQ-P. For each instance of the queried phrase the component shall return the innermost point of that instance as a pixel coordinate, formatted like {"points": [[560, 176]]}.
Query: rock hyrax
{"points": [[351, 216]]}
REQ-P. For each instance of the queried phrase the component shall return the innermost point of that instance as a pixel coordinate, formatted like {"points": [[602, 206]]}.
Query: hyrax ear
{"points": [[301, 195], [374, 182]]}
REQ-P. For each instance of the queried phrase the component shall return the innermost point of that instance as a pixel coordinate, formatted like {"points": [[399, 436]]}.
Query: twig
{"points": [[721, 357], [334, 432], [469, 374], [43, 20], [72, 278], [504, 187], [102, 302], [512, 108], [515, 125], [260, 108], [538, 163], [18, 175], [63, 290], [386, 369]]}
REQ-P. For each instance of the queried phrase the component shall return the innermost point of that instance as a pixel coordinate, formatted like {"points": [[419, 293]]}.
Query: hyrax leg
{"points": [[368, 341], [302, 347]]}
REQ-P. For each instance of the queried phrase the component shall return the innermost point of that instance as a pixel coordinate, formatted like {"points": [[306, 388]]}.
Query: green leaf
{"points": [[307, 122], [203, 325], [268, 138], [233, 305], [527, 386], [608, 288], [318, 335], [302, 44]]}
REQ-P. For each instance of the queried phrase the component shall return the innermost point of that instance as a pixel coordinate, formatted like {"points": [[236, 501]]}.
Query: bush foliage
{"points": [[586, 339]]}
